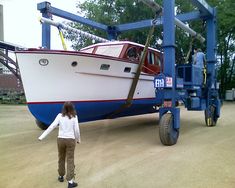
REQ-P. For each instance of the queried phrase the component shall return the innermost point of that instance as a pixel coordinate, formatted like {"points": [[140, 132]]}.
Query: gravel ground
{"points": [[121, 153]]}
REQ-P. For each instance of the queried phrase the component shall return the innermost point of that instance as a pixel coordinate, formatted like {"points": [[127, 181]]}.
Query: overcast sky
{"points": [[21, 25]]}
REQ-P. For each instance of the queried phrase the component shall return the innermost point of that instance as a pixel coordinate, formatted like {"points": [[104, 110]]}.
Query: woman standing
{"points": [[69, 134]]}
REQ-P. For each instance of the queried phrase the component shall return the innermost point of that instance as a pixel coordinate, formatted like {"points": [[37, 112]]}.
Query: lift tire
{"points": [[168, 134], [210, 116], [41, 125]]}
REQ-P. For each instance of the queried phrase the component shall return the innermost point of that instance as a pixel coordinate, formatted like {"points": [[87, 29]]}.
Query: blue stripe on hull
{"points": [[90, 111]]}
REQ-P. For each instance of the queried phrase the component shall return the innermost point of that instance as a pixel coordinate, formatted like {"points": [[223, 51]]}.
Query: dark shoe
{"points": [[61, 178], [71, 185]]}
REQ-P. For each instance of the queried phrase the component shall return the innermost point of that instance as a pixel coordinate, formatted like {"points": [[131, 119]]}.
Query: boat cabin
{"points": [[129, 52]]}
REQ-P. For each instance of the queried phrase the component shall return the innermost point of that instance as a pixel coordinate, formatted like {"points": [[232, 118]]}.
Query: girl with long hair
{"points": [[69, 134]]}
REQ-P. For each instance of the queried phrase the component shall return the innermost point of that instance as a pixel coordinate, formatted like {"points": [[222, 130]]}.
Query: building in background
{"points": [[11, 89], [9, 83]]}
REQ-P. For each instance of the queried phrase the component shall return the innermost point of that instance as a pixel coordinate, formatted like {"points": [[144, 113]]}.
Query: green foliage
{"points": [[113, 12], [226, 42], [12, 97]]}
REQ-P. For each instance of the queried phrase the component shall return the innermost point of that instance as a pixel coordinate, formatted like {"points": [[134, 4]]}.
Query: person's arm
{"points": [[50, 128], [77, 130]]}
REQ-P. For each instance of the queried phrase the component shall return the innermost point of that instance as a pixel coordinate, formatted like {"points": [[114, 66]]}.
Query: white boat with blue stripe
{"points": [[97, 79]]}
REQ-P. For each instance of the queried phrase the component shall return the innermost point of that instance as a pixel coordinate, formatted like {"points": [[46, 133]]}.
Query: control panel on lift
{"points": [[191, 81], [188, 83]]}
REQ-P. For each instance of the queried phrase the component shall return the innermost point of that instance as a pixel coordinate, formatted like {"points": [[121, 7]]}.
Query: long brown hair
{"points": [[69, 110]]}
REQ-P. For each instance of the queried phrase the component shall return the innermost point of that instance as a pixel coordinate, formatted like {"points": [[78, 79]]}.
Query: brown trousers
{"points": [[66, 149]]}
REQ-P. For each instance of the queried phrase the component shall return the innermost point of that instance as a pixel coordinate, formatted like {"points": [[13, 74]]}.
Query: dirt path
{"points": [[121, 153]]}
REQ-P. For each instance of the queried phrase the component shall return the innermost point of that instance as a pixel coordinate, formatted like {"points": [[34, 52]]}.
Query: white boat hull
{"points": [[50, 78]]}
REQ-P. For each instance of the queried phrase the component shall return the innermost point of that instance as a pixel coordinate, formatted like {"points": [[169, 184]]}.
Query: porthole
{"points": [[127, 69], [74, 63], [43, 62], [104, 67]]}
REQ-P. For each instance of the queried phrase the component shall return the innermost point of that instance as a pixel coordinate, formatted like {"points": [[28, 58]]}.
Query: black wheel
{"points": [[41, 125], [168, 134], [210, 116]]}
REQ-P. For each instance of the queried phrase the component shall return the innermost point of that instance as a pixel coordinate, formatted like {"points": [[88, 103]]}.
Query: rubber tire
{"points": [[41, 125], [168, 134], [211, 115]]}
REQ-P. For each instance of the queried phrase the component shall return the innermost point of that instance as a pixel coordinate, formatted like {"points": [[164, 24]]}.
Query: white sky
{"points": [[21, 25]]}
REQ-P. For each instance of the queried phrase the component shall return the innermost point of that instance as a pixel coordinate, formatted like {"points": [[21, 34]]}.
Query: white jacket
{"points": [[68, 128]]}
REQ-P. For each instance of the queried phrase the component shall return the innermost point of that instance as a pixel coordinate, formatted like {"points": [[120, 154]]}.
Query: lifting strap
{"points": [[131, 93], [204, 74], [62, 39], [204, 77]]}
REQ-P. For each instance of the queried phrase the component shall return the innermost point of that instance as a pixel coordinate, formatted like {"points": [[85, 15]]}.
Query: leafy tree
{"points": [[113, 12], [226, 43]]}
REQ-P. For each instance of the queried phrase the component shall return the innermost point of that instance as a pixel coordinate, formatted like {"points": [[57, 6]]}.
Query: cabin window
{"points": [[127, 69], [151, 58], [158, 61], [89, 50], [109, 50], [132, 52], [104, 67]]}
